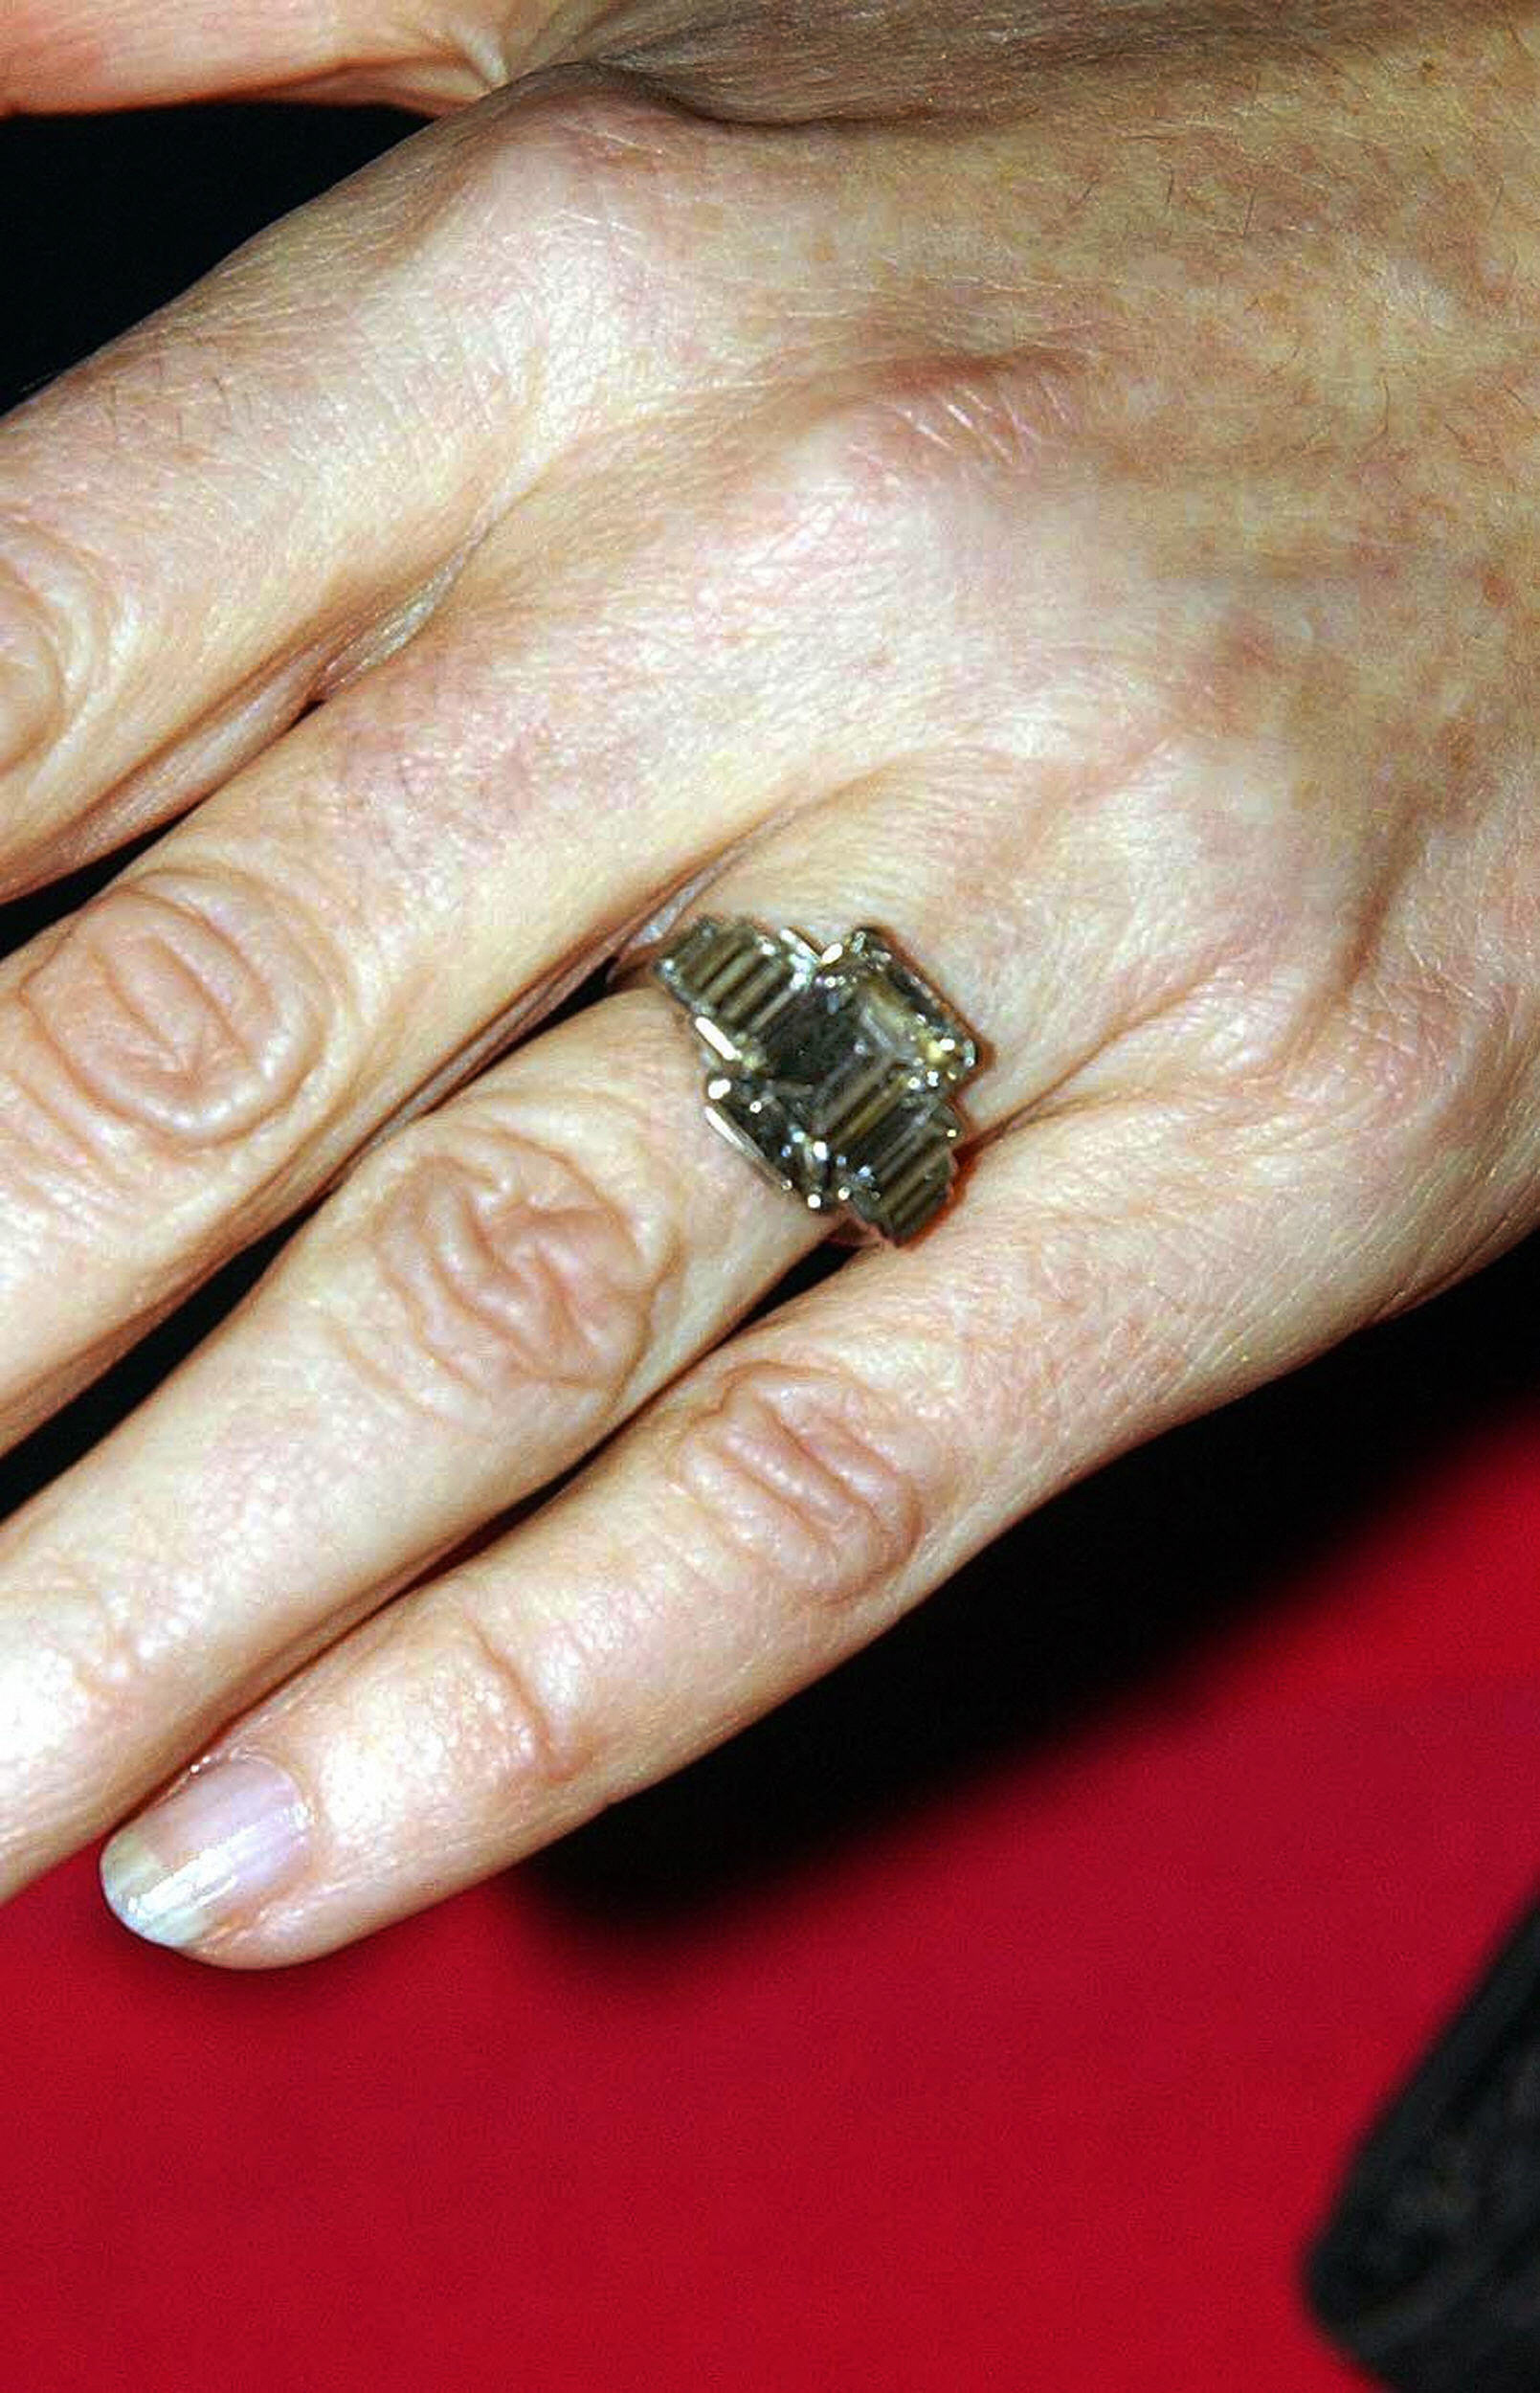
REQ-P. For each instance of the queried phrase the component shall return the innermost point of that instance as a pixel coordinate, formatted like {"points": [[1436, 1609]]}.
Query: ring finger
{"points": [[492, 1292], [367, 911]]}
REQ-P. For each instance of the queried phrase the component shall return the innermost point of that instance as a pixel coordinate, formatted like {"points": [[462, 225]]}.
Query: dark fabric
{"points": [[1429, 2268]]}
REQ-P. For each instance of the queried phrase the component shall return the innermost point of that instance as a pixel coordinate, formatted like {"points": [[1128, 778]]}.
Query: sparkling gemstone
{"points": [[830, 1066], [903, 1012]]}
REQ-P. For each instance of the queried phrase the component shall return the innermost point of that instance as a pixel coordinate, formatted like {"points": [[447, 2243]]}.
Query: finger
{"points": [[369, 910], [80, 55], [778, 1507], [280, 481], [273, 482], [801, 61], [490, 1294]]}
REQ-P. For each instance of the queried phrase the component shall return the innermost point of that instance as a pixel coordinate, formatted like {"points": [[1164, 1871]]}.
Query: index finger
{"points": [[273, 481], [113, 54]]}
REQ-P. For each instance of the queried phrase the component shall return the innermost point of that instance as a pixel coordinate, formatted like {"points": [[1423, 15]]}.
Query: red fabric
{"points": [[1039, 2079]]}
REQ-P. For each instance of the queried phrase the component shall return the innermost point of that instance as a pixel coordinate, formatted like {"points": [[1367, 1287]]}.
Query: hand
{"points": [[1096, 546], [792, 60]]}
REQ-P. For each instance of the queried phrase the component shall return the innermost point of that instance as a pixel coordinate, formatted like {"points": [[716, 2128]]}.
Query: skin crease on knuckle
{"points": [[802, 1484], [53, 623], [501, 1268], [179, 1013], [163, 1062], [77, 1670]]}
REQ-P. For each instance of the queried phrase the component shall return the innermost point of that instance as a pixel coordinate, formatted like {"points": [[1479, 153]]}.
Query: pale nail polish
{"points": [[232, 1834]]}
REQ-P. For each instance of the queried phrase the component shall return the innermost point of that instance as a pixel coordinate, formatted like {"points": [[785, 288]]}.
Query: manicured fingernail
{"points": [[196, 1863]]}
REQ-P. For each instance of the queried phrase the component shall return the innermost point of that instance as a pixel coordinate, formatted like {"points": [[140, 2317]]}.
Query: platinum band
{"points": [[830, 1069]]}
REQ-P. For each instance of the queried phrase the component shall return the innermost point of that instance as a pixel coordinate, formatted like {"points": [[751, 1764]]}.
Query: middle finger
{"points": [[732, 611], [490, 1295], [363, 915]]}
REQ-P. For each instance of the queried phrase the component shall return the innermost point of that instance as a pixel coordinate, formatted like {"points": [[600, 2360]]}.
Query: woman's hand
{"points": [[1099, 547]]}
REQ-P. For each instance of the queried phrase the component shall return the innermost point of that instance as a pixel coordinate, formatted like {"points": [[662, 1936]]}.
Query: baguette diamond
{"points": [[831, 1069]]}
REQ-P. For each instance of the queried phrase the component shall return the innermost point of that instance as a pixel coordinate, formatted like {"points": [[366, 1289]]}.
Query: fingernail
{"points": [[234, 1834]]}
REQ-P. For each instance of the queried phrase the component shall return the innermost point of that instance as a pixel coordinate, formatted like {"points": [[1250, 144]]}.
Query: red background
{"points": [[1002, 2013]]}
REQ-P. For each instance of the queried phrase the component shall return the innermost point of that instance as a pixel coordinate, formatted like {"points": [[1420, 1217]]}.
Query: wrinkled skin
{"points": [[1098, 544]]}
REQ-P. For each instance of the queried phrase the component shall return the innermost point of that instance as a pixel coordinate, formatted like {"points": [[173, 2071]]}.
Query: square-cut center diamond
{"points": [[830, 1067]]}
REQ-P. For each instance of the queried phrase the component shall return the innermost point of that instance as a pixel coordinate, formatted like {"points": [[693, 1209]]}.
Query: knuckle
{"points": [[935, 420], [57, 634], [815, 1486], [594, 120], [79, 1680], [597, 158], [502, 1264], [520, 1712], [549, 324], [1417, 1069], [875, 476], [179, 1006]]}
